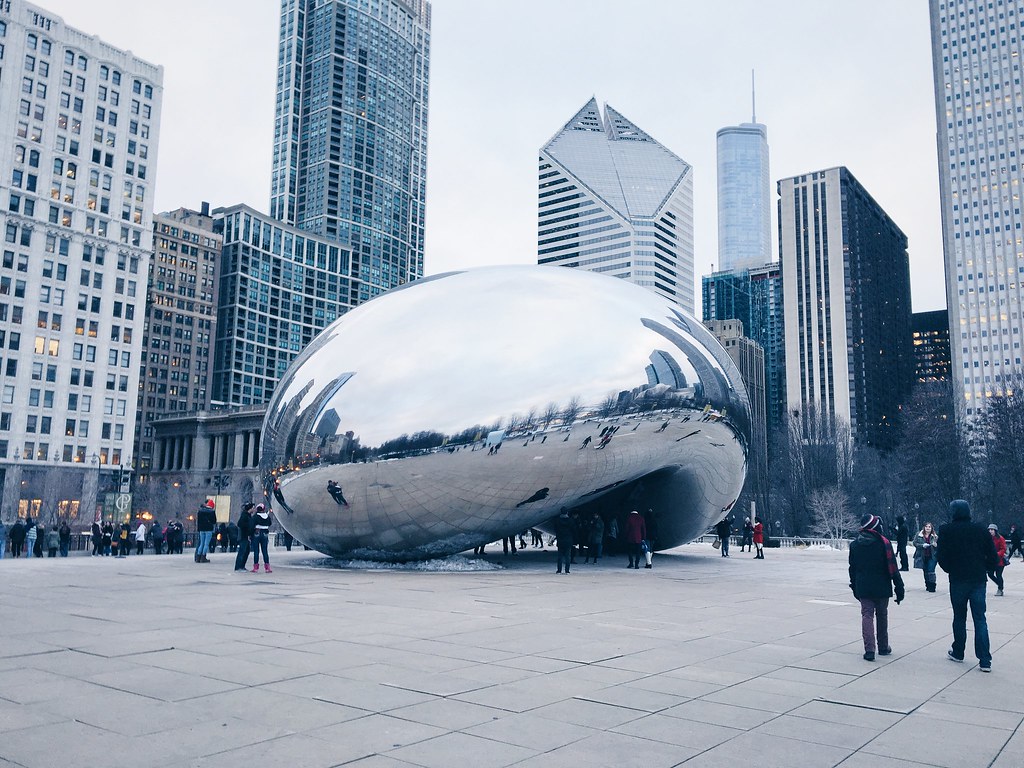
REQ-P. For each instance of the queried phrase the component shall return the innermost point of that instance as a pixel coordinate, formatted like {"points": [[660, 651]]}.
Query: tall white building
{"points": [[78, 142], [744, 197], [979, 106], [614, 200]]}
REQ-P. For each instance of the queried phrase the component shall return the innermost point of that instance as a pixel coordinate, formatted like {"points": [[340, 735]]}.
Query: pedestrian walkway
{"points": [[701, 661]]}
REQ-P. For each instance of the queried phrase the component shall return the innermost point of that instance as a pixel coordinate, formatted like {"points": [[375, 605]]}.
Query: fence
{"points": [[800, 542]]}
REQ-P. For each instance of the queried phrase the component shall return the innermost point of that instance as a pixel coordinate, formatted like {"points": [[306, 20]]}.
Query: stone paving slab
{"points": [[701, 661]]}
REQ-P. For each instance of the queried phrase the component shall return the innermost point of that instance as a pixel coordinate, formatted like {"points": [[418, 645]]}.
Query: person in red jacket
{"points": [[636, 532], [996, 574], [759, 538]]}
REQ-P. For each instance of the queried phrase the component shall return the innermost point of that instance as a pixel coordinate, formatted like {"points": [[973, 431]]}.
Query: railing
{"points": [[800, 542]]}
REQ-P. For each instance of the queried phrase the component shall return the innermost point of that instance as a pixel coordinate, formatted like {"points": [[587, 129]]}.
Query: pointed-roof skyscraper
{"points": [[612, 199]]}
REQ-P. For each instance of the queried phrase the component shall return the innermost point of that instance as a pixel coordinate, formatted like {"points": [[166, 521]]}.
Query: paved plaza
{"points": [[702, 661]]}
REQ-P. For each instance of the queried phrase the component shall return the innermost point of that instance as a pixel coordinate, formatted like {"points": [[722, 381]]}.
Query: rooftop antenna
{"points": [[753, 99]]}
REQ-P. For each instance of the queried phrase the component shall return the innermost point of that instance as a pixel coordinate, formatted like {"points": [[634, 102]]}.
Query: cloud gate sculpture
{"points": [[473, 405]]}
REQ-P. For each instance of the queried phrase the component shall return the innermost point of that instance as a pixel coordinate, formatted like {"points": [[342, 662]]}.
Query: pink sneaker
{"points": [[256, 568], [266, 568]]}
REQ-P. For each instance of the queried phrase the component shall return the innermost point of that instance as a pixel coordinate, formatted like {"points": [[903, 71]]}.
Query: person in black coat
{"points": [[17, 538], [873, 578], [902, 536], [565, 531], [244, 534], [967, 554]]}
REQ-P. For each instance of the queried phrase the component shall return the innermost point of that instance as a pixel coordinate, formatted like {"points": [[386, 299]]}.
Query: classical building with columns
{"points": [[200, 455]]}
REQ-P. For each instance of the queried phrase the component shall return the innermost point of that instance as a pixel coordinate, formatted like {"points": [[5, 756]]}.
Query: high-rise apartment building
{"points": [[977, 47], [614, 200], [744, 197], [180, 327], [350, 132], [754, 297], [79, 121], [846, 294], [930, 339], [279, 287]]}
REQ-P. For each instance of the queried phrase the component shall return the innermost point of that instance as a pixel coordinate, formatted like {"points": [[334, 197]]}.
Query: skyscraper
{"points": [[977, 46], [612, 199], [744, 197], [78, 139], [754, 298], [350, 132], [846, 292], [930, 338], [180, 327]]}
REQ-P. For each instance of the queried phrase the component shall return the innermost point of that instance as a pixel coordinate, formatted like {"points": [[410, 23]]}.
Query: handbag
{"points": [[716, 543]]}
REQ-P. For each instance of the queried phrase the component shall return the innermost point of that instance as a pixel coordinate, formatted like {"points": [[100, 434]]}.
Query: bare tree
{"points": [[531, 417], [608, 406], [831, 514], [551, 412], [572, 410]]}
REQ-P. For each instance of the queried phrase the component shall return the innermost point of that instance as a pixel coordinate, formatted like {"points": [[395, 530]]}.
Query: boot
{"points": [[256, 568], [266, 568]]}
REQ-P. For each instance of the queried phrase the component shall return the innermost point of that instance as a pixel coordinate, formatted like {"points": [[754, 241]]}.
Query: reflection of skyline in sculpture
{"points": [[432, 479], [664, 370]]}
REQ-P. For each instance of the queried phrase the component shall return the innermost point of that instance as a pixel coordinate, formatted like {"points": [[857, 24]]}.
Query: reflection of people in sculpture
{"points": [[663, 426], [335, 490], [586, 442]]}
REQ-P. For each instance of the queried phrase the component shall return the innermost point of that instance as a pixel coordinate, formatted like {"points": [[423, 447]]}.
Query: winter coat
{"points": [[870, 577], [636, 528], [52, 539], [261, 522], [723, 529], [926, 546], [758, 533], [1000, 544], [565, 531], [245, 525], [967, 552], [596, 530], [206, 518], [18, 533]]}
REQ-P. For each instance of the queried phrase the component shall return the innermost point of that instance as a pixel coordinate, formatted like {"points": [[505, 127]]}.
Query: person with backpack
{"points": [[156, 535], [52, 541], [206, 521], [874, 576], [64, 535], [17, 538]]}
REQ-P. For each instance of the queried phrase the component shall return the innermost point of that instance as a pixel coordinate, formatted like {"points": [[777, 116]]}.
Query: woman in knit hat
{"points": [[873, 577]]}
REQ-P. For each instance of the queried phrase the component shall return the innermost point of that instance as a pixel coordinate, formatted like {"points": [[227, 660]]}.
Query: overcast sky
{"points": [[839, 82]]}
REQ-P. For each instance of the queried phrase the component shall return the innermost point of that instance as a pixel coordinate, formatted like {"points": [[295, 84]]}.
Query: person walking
{"points": [[140, 538], [64, 535], [260, 536], [925, 547], [635, 533], [967, 553], [724, 531], [124, 539], [52, 541], [30, 537], [873, 578], [206, 521], [244, 527], [18, 534], [1015, 543], [232, 536], [758, 538], [996, 574], [565, 532], [902, 537]]}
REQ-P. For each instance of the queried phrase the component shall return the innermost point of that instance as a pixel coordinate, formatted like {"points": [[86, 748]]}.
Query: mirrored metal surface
{"points": [[473, 405]]}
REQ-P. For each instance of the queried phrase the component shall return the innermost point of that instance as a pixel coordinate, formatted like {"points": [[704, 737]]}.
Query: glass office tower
{"points": [[350, 132], [744, 197]]}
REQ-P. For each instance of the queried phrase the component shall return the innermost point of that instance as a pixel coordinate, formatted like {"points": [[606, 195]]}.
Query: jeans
{"points": [[259, 542], [997, 577], [64, 548], [929, 570], [564, 557], [204, 543], [243, 554], [725, 545], [3, 546], [962, 594], [874, 619]]}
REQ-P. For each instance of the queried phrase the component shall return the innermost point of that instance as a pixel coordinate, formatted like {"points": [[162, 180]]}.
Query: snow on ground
{"points": [[446, 564]]}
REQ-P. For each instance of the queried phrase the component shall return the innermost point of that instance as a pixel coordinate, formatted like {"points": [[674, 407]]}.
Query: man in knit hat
{"points": [[967, 554], [873, 577]]}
